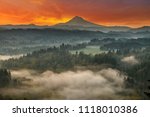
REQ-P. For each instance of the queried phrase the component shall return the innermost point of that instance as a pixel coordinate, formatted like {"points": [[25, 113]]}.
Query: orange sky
{"points": [[133, 13]]}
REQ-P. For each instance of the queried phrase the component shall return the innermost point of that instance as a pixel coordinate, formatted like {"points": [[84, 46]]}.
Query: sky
{"points": [[133, 13]]}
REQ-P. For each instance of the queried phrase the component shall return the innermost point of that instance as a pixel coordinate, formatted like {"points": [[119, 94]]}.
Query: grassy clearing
{"points": [[89, 50]]}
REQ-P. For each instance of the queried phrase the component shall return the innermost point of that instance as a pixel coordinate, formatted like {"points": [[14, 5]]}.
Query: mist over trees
{"points": [[117, 50], [60, 59], [74, 60]]}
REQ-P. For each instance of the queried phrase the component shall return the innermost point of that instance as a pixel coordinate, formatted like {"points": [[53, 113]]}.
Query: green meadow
{"points": [[89, 50]]}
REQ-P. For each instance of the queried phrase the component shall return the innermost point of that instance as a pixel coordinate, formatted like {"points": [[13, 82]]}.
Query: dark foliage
{"points": [[5, 77]]}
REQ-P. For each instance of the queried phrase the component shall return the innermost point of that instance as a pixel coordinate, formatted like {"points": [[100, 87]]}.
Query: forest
{"points": [[53, 56], [5, 77], [132, 60]]}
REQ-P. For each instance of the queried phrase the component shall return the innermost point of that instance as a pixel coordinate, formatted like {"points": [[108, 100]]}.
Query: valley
{"points": [[74, 60]]}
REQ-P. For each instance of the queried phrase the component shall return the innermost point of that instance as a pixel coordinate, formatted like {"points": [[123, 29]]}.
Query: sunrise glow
{"points": [[132, 13]]}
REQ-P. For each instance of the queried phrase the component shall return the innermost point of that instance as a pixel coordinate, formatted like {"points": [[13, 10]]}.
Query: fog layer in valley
{"points": [[6, 57], [105, 84], [130, 60]]}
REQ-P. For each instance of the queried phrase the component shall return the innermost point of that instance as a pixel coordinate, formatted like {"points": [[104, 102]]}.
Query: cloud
{"points": [[104, 12], [105, 84], [39, 2]]}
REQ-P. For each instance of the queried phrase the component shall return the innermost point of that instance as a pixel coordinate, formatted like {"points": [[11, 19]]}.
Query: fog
{"points": [[130, 60], [6, 57], [104, 84]]}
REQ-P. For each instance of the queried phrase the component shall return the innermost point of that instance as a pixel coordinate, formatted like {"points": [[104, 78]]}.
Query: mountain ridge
{"points": [[78, 23]]}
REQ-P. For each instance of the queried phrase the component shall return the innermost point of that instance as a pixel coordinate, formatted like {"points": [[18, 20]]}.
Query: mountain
{"points": [[79, 23], [29, 26], [142, 29]]}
